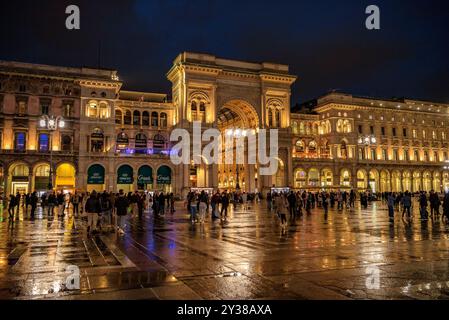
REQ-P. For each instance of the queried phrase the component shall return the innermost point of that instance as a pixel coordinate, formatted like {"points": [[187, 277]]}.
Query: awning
{"points": [[145, 175], [125, 175], [164, 175], [95, 174]]}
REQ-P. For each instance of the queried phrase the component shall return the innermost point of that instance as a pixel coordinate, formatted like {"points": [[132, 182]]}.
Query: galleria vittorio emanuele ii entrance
{"points": [[238, 98]]}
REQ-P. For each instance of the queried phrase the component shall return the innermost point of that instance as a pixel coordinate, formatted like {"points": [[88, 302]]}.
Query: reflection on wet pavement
{"points": [[247, 257]]}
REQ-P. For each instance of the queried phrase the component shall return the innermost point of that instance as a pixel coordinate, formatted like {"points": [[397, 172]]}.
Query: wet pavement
{"points": [[247, 257]]}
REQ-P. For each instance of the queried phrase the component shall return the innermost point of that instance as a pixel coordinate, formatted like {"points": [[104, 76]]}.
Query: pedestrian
{"points": [[203, 206], [224, 205], [52, 202], [12, 206], [446, 207], [92, 209], [325, 204], [434, 204], [423, 205], [121, 206], [61, 204], [33, 202], [75, 200], [292, 205], [391, 200], [406, 204], [281, 205]]}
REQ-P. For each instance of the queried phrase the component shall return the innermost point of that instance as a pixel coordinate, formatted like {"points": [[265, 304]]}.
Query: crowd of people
{"points": [[106, 211]]}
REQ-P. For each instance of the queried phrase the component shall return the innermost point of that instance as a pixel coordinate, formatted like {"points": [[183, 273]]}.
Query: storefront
{"points": [[125, 178], [65, 178], [42, 178], [95, 178], [145, 178], [20, 179], [164, 179]]}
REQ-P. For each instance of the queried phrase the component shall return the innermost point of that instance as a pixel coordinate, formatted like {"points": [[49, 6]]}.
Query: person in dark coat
{"points": [[93, 209], [446, 207], [12, 206], [33, 203], [121, 206], [434, 204]]}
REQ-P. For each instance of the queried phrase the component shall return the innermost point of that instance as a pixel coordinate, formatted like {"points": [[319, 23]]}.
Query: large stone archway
{"points": [[221, 93]]}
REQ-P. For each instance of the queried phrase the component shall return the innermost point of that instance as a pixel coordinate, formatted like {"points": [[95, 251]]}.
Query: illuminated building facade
{"points": [[114, 139], [366, 143]]}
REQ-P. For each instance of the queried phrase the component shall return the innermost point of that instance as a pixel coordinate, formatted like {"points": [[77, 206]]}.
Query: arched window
{"points": [[154, 119], [163, 120], [302, 129], [158, 144], [44, 142], [122, 142], [97, 140], [66, 143], [343, 150], [194, 111], [312, 146], [92, 110], [128, 117], [104, 111], [136, 118], [295, 127], [141, 143], [300, 146], [145, 119], [278, 118], [118, 116]]}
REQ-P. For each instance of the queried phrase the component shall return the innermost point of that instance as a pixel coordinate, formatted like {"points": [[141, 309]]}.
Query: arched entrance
{"points": [[41, 178], [437, 182], [374, 181], [313, 178], [96, 178], [327, 178], [19, 177], [65, 177], [362, 180], [125, 178], [385, 181], [300, 178], [237, 119], [345, 178], [417, 182], [164, 179], [407, 181], [396, 181], [427, 181], [145, 178]]}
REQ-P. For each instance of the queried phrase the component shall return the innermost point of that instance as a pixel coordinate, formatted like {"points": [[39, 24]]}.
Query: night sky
{"points": [[325, 42]]}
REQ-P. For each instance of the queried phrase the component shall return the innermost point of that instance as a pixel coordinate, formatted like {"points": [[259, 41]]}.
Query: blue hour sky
{"points": [[325, 43]]}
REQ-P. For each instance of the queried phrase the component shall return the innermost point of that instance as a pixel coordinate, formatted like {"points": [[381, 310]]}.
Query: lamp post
{"points": [[368, 141], [52, 124]]}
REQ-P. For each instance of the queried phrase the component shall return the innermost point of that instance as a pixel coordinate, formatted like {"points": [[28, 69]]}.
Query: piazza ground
{"points": [[248, 257]]}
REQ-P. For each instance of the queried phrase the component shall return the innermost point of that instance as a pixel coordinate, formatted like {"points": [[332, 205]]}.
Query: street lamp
{"points": [[52, 124], [368, 141]]}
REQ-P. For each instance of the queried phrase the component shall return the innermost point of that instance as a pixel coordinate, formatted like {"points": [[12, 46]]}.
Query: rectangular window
{"points": [[44, 142], [434, 135], [424, 135], [443, 136], [361, 154], [371, 130], [384, 154], [435, 156], [406, 155], [20, 141], [360, 129], [394, 132], [373, 154], [67, 110], [426, 156], [415, 134], [416, 155], [395, 155], [383, 131], [404, 132]]}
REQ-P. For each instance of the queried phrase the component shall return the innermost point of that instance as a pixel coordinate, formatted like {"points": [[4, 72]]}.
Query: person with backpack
{"points": [[92, 209], [121, 206]]}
